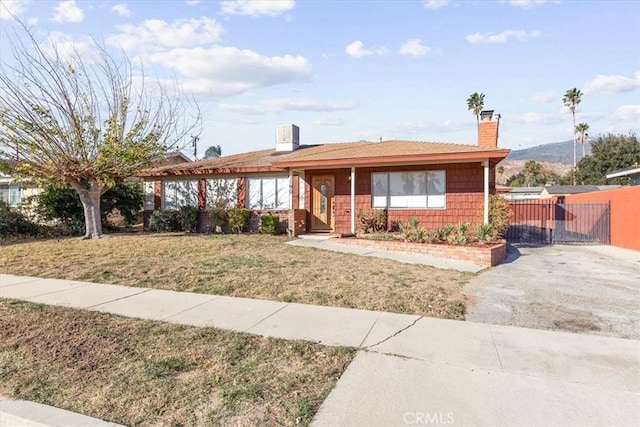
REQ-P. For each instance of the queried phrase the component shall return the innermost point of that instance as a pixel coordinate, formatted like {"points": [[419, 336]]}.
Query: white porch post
{"points": [[353, 199], [486, 191], [290, 188]]}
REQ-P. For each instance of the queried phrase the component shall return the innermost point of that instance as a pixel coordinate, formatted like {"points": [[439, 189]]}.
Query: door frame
{"points": [[330, 204]]}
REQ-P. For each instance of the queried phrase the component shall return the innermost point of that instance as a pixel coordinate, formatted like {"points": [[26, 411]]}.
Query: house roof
{"points": [[559, 190], [634, 170], [333, 155]]}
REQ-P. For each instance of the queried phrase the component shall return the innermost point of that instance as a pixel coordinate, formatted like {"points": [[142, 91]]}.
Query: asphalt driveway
{"points": [[586, 289]]}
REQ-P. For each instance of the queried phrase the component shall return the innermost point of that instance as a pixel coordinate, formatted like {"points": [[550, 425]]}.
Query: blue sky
{"points": [[364, 70]]}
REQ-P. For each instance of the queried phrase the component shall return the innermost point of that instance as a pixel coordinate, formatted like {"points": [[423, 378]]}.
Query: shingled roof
{"points": [[333, 155]]}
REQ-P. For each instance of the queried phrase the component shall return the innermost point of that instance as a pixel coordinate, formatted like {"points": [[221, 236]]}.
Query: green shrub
{"points": [[458, 236], [218, 218], [499, 215], [239, 219], [15, 224], [127, 198], [484, 232], [269, 224], [188, 218], [62, 203], [164, 221], [372, 221], [444, 232], [412, 232]]}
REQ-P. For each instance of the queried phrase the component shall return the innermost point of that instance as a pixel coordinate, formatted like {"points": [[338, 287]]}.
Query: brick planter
{"points": [[482, 255]]}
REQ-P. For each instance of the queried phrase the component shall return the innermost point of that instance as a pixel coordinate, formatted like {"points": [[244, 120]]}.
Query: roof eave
{"points": [[209, 171], [384, 160]]}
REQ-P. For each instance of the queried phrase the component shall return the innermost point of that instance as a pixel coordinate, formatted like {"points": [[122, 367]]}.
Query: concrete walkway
{"points": [[330, 243], [411, 369]]}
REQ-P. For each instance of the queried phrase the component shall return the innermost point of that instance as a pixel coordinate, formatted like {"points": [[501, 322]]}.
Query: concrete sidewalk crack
{"points": [[496, 348], [262, 320], [369, 331], [92, 307], [393, 335]]}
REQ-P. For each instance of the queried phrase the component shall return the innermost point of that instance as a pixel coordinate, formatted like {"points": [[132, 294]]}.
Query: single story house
{"points": [[13, 191], [322, 188]]}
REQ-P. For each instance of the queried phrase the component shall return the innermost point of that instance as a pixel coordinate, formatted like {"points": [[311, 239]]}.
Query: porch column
{"points": [[290, 188], [486, 191], [353, 200]]}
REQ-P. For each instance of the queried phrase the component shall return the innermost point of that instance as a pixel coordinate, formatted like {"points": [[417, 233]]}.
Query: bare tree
{"points": [[87, 121]]}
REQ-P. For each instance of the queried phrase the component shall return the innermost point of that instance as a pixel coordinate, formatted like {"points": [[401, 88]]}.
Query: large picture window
{"points": [[179, 193], [408, 190], [222, 191], [268, 193]]}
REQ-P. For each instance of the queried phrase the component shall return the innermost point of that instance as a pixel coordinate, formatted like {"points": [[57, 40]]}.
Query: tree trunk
{"points": [[574, 148], [90, 198]]}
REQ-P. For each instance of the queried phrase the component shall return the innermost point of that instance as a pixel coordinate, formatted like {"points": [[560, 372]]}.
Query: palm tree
{"points": [[583, 137], [571, 100], [475, 103]]}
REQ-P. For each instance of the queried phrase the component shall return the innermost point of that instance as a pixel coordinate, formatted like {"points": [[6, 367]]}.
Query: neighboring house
{"points": [[522, 193], [15, 192], [551, 191], [322, 188], [633, 173]]}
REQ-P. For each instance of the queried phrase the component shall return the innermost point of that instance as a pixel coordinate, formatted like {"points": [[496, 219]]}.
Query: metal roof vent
{"points": [[287, 138]]}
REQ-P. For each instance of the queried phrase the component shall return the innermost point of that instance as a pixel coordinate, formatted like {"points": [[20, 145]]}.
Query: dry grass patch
{"points": [[254, 266], [137, 372]]}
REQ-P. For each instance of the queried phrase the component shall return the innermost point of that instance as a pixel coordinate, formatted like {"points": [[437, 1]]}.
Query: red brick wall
{"points": [[488, 134], [625, 208], [464, 195]]}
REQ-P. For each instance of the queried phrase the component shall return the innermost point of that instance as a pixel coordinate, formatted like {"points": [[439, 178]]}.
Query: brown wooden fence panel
{"points": [[551, 221]]}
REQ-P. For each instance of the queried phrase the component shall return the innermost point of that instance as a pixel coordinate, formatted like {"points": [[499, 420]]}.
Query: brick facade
{"points": [[464, 195]]}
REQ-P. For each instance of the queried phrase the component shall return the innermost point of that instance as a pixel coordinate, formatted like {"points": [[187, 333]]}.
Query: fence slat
{"points": [[551, 221]]}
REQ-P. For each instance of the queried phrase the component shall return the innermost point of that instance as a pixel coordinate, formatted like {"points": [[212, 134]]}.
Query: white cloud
{"points": [[414, 47], [192, 2], [502, 37], [256, 7], [221, 70], [545, 96], [68, 46], [357, 50], [542, 118], [431, 126], [526, 4], [435, 4], [121, 9], [288, 104], [627, 113], [329, 121], [153, 34], [67, 11], [11, 7], [612, 84]]}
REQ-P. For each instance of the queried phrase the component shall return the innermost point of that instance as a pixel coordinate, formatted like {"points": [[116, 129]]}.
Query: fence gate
{"points": [[548, 222]]}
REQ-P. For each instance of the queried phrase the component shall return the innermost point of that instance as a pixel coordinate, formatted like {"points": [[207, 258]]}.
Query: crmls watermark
{"points": [[426, 418]]}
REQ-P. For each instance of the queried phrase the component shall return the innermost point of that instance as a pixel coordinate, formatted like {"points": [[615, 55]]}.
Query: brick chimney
{"points": [[488, 129]]}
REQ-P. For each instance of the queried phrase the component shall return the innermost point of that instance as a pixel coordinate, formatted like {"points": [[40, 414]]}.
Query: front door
{"points": [[322, 203]]}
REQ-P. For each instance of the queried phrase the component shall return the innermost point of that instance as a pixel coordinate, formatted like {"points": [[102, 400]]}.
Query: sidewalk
{"points": [[411, 369]]}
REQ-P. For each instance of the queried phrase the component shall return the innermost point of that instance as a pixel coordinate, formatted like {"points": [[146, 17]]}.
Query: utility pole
{"points": [[194, 144]]}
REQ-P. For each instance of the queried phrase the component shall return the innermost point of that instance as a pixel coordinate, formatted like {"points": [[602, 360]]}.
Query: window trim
{"points": [[164, 193], [388, 189], [277, 190]]}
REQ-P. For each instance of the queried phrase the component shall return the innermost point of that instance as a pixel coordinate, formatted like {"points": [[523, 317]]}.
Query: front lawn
{"points": [[254, 266], [138, 372]]}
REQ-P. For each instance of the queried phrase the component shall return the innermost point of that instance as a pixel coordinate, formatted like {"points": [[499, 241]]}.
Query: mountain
{"points": [[556, 152]]}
